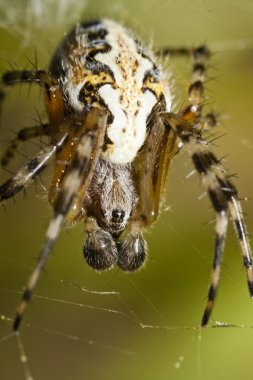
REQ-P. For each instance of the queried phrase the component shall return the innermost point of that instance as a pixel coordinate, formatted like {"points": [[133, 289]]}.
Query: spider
{"points": [[113, 137]]}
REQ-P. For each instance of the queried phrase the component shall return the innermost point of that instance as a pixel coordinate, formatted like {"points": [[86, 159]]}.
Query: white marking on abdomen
{"points": [[127, 132], [129, 106]]}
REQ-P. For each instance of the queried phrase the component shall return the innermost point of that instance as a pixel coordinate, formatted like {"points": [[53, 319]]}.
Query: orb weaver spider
{"points": [[113, 136]]}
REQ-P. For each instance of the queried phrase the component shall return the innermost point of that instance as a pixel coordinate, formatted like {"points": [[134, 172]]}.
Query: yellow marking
{"points": [[84, 75], [158, 88]]}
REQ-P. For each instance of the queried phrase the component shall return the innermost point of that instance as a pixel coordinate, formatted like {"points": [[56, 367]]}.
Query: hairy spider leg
{"points": [[54, 98], [175, 51], [83, 163], [29, 172], [191, 121], [221, 191], [200, 57], [54, 102], [24, 135]]}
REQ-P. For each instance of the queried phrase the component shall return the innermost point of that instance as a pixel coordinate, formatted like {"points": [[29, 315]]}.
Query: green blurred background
{"points": [[170, 291]]}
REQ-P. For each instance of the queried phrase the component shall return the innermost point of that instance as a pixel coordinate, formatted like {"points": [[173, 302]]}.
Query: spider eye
{"points": [[118, 216]]}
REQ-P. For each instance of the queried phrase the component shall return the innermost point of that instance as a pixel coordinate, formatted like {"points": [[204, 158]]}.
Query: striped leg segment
{"points": [[29, 172], [240, 228], [175, 51], [200, 58], [223, 196], [27, 76], [79, 175], [220, 191], [221, 229], [223, 185], [22, 136], [196, 89], [11, 78], [189, 126], [191, 116]]}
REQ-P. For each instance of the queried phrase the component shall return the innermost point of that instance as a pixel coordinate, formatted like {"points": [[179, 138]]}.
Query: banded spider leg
{"points": [[28, 173], [78, 175], [54, 102], [188, 126], [88, 149]]}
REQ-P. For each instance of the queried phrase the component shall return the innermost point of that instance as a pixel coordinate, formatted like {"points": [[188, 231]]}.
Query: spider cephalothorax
{"points": [[112, 132]]}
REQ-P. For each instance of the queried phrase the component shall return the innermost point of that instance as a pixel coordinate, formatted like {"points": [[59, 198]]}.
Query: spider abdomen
{"points": [[100, 64]]}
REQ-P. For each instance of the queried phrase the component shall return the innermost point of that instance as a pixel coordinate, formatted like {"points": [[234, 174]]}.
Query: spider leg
{"points": [[188, 126], [23, 135], [54, 97], [179, 51], [175, 51], [26, 76], [29, 172], [11, 78], [223, 196], [79, 174], [240, 228], [221, 230]]}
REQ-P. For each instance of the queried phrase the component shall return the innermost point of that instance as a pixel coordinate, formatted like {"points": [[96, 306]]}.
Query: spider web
{"points": [[81, 324]]}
